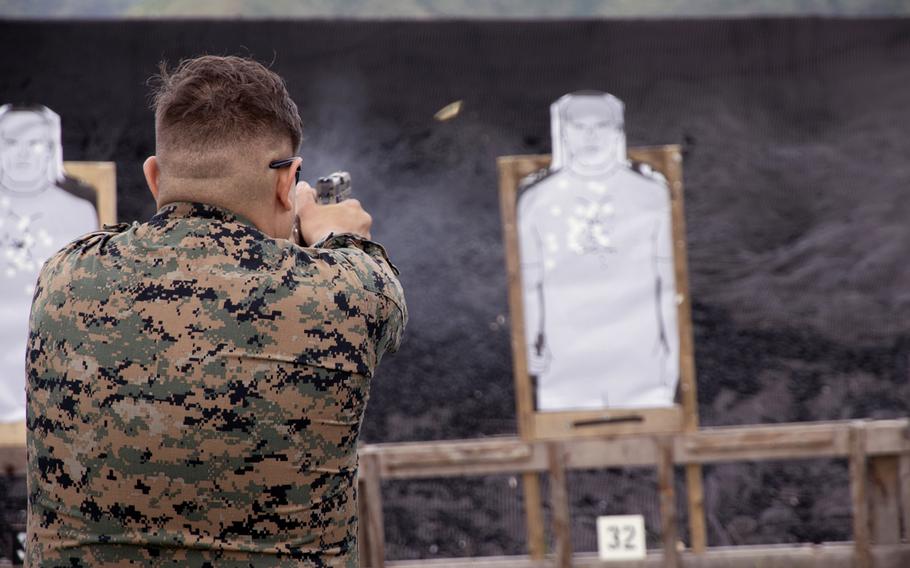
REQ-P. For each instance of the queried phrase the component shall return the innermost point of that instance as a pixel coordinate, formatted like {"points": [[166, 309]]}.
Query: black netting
{"points": [[745, 503]]}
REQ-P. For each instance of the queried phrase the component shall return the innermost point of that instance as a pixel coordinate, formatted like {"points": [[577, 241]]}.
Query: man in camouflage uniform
{"points": [[196, 383]]}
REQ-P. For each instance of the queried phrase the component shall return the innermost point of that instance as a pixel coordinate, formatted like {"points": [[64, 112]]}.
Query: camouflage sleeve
{"points": [[372, 265]]}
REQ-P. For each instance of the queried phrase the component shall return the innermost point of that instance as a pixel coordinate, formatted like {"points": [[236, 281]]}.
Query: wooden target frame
{"points": [[535, 425], [102, 177], [550, 425]]}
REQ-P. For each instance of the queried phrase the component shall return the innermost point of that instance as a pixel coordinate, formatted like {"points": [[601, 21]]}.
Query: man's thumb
{"points": [[305, 193]]}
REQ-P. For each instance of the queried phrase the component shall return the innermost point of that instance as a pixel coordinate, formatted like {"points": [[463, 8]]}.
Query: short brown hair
{"points": [[212, 100]]}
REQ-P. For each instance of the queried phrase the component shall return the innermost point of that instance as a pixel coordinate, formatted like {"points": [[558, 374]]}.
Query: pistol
{"points": [[333, 188]]}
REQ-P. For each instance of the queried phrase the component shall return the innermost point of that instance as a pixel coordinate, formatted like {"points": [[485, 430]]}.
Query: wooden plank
{"points": [[525, 164], [363, 536], [510, 172], [764, 442], [665, 486], [793, 440], [606, 422], [708, 445], [695, 500], [859, 495], [904, 472], [626, 451], [669, 161], [828, 555], [372, 497], [886, 435], [884, 500], [537, 540], [559, 505], [102, 176], [12, 434], [534, 515], [459, 457], [459, 452]]}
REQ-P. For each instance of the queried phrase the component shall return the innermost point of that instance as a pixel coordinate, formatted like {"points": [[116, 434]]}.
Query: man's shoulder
{"points": [[366, 266], [90, 243]]}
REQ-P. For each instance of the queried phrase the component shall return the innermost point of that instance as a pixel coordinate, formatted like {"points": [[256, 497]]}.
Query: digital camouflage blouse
{"points": [[195, 393]]}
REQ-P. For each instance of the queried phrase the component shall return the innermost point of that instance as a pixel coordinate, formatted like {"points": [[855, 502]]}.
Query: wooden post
{"points": [[884, 500], [537, 543], [103, 177], [524, 397], [372, 497], [363, 535], [559, 502], [668, 530], [695, 497], [695, 494], [904, 474], [859, 496]]}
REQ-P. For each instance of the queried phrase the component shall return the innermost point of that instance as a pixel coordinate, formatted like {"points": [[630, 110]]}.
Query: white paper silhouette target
{"points": [[595, 247], [37, 218]]}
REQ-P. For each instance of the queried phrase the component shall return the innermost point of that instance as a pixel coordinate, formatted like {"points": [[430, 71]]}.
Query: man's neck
{"points": [[264, 223]]}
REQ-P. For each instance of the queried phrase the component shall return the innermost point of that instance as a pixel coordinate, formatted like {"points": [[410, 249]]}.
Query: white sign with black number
{"points": [[621, 537]]}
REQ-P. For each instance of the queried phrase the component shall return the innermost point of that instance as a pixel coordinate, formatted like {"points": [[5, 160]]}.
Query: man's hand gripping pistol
{"points": [[333, 188]]}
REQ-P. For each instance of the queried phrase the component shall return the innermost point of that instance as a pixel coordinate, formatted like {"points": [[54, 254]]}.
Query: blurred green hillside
{"points": [[430, 9]]}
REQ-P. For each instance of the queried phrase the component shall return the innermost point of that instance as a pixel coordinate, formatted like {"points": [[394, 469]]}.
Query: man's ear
{"points": [[285, 186], [152, 174]]}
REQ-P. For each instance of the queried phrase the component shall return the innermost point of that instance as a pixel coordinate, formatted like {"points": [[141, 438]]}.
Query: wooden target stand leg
{"points": [[695, 492], [667, 497], [859, 490], [559, 505], [537, 546], [695, 496], [670, 162]]}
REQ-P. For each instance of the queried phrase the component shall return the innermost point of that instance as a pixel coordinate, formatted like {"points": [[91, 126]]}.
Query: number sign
{"points": [[621, 537]]}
